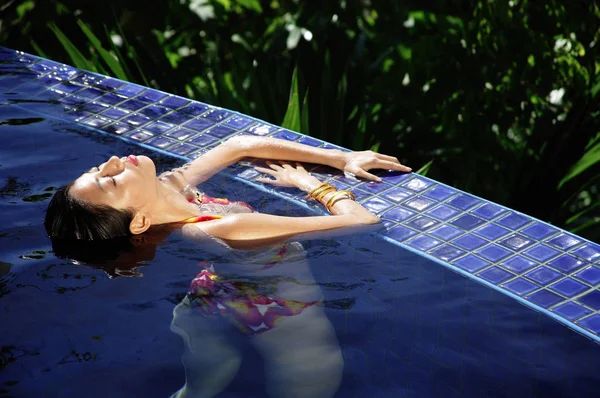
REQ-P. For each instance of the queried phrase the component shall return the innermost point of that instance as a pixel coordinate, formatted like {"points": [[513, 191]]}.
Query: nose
{"points": [[113, 166]]}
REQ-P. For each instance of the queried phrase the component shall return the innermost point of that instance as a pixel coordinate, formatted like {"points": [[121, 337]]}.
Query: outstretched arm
{"points": [[241, 146]]}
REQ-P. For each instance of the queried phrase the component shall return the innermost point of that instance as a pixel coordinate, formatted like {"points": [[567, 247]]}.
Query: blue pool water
{"points": [[404, 325]]}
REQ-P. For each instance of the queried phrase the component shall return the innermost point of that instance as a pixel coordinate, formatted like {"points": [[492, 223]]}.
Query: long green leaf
{"points": [[304, 122], [107, 57], [79, 61], [292, 119], [37, 49], [425, 169], [589, 159]]}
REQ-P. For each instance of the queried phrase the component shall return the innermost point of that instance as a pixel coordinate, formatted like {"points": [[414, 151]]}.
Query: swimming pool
{"points": [[405, 325]]}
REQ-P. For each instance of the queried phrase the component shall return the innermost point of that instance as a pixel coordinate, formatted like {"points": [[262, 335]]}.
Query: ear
{"points": [[140, 223]]}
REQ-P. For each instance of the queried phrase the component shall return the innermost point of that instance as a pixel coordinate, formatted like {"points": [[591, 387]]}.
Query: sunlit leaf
{"points": [[76, 56], [589, 159], [292, 118], [107, 57], [425, 169]]}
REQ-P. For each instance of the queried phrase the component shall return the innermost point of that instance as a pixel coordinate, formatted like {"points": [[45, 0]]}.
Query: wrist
{"points": [[338, 159], [309, 184]]}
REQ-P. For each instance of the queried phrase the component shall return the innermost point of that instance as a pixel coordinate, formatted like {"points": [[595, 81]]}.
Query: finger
{"points": [[387, 157], [270, 172], [274, 166], [299, 166], [367, 175], [285, 164], [385, 164], [267, 181]]}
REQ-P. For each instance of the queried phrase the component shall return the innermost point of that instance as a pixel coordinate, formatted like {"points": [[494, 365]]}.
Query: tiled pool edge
{"points": [[541, 266]]}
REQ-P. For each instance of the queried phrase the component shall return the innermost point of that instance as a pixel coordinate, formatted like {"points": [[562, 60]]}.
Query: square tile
{"points": [[136, 120], [464, 201], [176, 117], [566, 263], [174, 102], [109, 84], [541, 252], [564, 241], [467, 222], [494, 253], [111, 99], [182, 149], [310, 141], [539, 230], [591, 299], [238, 122], [591, 323], [401, 233], [489, 211], [513, 221], [520, 286], [518, 264], [202, 140], [132, 105], [416, 184], [589, 252], [68, 87], [161, 142], [90, 93], [96, 121], [423, 242], [443, 212], [543, 275], [130, 90], [571, 310], [469, 242], [446, 232], [471, 263], [221, 132], [544, 298], [376, 205], [371, 187], [151, 96], [140, 135], [446, 252], [181, 133], [421, 223], [492, 231], [590, 275], [115, 113], [193, 109], [94, 107], [262, 129], [419, 203], [568, 287], [439, 192], [516, 242], [287, 135], [216, 115], [118, 128], [395, 177], [159, 127], [397, 194], [198, 124], [495, 275], [154, 112], [398, 214]]}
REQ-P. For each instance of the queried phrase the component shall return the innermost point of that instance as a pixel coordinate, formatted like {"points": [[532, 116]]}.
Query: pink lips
{"points": [[133, 159]]}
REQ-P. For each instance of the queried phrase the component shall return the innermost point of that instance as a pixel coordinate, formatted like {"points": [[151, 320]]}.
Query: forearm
{"points": [[278, 149]]}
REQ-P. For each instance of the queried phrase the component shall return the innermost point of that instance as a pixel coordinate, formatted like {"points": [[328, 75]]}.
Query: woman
{"points": [[266, 297]]}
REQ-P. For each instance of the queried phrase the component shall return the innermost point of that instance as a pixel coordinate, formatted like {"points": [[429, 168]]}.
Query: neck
{"points": [[171, 206]]}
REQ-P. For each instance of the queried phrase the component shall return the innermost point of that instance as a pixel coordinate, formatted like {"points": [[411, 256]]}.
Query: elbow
{"points": [[370, 220]]}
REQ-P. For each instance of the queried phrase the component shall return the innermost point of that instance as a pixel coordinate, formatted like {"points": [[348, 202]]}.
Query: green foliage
{"points": [[503, 95]]}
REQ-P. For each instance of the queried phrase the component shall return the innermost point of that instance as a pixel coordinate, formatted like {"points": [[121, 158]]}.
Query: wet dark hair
{"points": [[70, 219]]}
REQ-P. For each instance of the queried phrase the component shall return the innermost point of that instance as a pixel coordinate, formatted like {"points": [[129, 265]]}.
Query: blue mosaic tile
{"points": [[516, 242], [568, 287], [216, 115], [151, 96], [564, 241], [541, 252], [513, 221], [589, 252], [140, 135], [159, 127], [446, 232], [154, 111], [471, 263], [174, 102], [591, 323], [96, 121], [443, 212], [115, 113], [310, 141], [421, 223], [416, 184], [439, 192], [262, 129], [495, 275], [590, 275], [118, 128], [182, 149], [88, 78], [539, 231], [136, 120], [398, 214], [109, 84], [469, 242], [566, 263], [181, 133], [94, 107], [376, 205], [286, 135], [90, 93], [489, 211], [543, 275], [467, 222], [238, 122], [401, 233], [74, 101], [493, 253], [68, 87], [464, 201], [395, 177], [423, 242], [373, 187], [111, 99], [130, 90], [198, 124], [194, 109], [397, 194], [571, 310], [176, 117], [447, 252], [491, 231], [418, 203], [520, 286], [132, 104], [518, 264], [544, 298], [202, 140], [591, 299], [161, 142]]}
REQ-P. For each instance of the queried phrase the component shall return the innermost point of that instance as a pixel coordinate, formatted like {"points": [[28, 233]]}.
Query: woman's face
{"points": [[121, 183]]}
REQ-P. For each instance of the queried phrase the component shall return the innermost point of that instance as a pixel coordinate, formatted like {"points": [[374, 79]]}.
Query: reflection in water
{"points": [[269, 300]]}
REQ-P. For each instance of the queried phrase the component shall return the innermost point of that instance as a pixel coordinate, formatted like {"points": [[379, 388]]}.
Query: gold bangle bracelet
{"points": [[324, 193], [320, 189], [344, 194]]}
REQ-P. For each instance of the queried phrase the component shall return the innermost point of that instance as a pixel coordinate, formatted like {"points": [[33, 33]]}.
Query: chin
{"points": [[146, 164]]}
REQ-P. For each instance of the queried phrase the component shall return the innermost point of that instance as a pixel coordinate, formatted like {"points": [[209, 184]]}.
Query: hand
{"points": [[359, 163], [287, 176]]}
